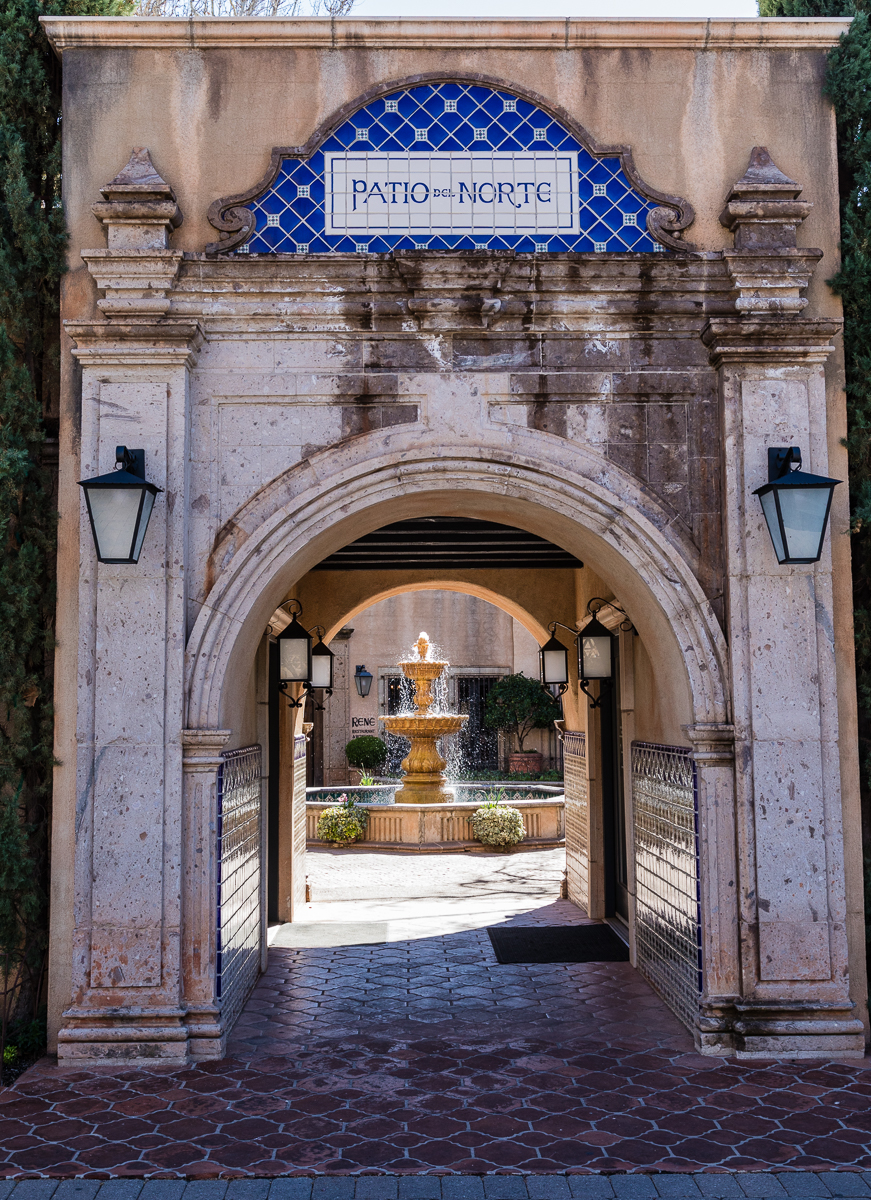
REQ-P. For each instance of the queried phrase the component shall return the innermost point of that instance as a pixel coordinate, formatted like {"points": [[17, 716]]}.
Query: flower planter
{"points": [[526, 764]]}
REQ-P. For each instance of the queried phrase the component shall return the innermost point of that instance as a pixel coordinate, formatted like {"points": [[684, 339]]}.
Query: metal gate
{"points": [[668, 928], [478, 746], [240, 841]]}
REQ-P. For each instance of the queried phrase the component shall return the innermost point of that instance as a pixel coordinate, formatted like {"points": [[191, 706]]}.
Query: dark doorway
{"points": [[478, 747], [613, 805]]}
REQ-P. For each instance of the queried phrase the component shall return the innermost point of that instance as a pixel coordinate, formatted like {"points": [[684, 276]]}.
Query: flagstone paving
{"points": [[402, 1057]]}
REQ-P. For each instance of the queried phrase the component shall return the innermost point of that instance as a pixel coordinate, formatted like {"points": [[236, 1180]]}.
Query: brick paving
{"points": [[396, 1058]]}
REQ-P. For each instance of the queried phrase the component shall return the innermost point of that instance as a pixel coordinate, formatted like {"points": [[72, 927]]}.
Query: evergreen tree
{"points": [[32, 261], [848, 84]]}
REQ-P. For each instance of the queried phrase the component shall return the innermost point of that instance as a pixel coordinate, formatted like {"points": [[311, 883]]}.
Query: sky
{"points": [[555, 8]]}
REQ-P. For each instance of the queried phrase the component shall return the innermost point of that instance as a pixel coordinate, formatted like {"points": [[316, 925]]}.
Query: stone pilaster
{"points": [[777, 977], [128, 1000]]}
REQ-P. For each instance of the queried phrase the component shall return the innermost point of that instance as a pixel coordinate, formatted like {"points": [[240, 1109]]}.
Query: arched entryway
{"points": [[601, 516]]}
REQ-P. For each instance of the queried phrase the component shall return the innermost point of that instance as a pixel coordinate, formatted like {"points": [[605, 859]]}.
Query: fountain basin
{"points": [[446, 826], [424, 781]]}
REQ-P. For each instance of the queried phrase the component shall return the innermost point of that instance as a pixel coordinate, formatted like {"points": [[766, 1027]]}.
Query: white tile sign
{"points": [[451, 192]]}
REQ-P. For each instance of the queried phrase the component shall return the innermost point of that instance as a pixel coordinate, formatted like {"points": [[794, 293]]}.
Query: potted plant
{"points": [[368, 754], [343, 823], [498, 824], [517, 705]]}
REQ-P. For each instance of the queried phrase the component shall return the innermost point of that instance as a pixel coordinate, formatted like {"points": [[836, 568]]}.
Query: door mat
{"points": [[558, 944]]}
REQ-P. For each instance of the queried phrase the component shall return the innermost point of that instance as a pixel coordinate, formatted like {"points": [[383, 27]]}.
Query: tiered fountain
{"points": [[425, 781], [427, 814]]}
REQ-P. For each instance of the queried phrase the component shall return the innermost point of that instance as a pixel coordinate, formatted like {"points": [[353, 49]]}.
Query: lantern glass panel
{"points": [[803, 510], [322, 667], [114, 512], [145, 517], [595, 653], [772, 520], [293, 659]]}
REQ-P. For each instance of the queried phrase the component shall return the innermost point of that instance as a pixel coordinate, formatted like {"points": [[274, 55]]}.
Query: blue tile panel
{"points": [[450, 166]]}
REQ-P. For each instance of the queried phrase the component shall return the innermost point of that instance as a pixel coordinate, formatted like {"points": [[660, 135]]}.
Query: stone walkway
{"points": [[375, 1045]]}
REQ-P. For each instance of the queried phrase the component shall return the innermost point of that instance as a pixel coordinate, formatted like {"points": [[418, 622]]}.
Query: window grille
{"points": [[668, 905], [239, 878]]}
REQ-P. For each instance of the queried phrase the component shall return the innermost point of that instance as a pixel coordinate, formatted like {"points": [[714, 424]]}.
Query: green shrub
{"points": [[518, 705], [368, 753]]}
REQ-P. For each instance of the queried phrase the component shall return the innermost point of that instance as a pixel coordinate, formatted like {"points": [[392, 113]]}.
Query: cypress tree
{"points": [[32, 261], [848, 84]]}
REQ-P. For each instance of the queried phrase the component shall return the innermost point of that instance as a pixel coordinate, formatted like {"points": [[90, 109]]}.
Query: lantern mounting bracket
{"points": [[132, 461], [782, 460]]}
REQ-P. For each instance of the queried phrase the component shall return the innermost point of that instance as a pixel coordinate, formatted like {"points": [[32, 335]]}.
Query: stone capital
{"points": [[713, 745], [202, 747], [773, 341], [168, 343]]}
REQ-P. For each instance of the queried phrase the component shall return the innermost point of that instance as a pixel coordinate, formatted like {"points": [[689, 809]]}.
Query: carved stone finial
{"points": [[768, 272], [763, 179], [762, 209], [139, 208]]}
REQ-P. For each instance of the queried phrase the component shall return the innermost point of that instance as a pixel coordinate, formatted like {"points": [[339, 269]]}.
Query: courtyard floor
{"points": [[386, 1039]]}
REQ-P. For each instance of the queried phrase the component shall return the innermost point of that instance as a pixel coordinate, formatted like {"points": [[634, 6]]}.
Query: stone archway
{"points": [[572, 498]]}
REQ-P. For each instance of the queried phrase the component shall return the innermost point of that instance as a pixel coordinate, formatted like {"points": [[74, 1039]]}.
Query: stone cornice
{"points": [[66, 33]]}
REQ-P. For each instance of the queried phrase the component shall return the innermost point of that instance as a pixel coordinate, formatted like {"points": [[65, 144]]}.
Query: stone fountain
{"points": [[424, 781]]}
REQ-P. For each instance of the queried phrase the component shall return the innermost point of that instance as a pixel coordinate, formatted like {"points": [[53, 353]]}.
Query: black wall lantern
{"points": [[553, 661], [795, 506], [595, 653], [363, 680], [322, 663], [294, 654], [119, 507]]}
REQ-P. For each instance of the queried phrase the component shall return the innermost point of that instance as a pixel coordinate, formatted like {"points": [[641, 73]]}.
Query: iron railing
{"points": [[239, 878], [667, 909]]}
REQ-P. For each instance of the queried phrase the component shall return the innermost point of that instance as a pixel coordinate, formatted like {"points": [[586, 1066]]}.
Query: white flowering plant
{"points": [[343, 822], [497, 824]]}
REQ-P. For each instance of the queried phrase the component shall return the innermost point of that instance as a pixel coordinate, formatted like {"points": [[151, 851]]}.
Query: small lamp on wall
{"points": [[796, 506], [362, 681], [553, 660], [119, 507], [322, 663]]}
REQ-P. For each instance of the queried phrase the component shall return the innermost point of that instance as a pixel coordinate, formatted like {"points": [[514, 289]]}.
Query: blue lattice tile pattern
{"points": [[450, 166]]}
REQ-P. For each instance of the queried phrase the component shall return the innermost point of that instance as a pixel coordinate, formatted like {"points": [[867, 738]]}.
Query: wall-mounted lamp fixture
{"points": [[119, 507], [594, 648], [300, 662], [363, 681], [796, 506]]}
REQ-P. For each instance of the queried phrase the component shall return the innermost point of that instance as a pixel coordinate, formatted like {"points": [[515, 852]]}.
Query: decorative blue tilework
{"points": [[450, 166]]}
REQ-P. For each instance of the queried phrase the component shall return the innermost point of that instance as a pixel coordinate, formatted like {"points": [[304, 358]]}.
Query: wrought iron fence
{"points": [[577, 815], [239, 878], [668, 911]]}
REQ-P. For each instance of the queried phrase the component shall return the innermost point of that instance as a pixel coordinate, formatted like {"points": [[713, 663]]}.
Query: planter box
{"points": [[446, 826], [525, 764]]}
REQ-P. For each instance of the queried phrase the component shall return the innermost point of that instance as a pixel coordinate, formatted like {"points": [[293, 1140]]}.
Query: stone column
{"points": [[129, 960], [202, 758], [791, 994]]}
